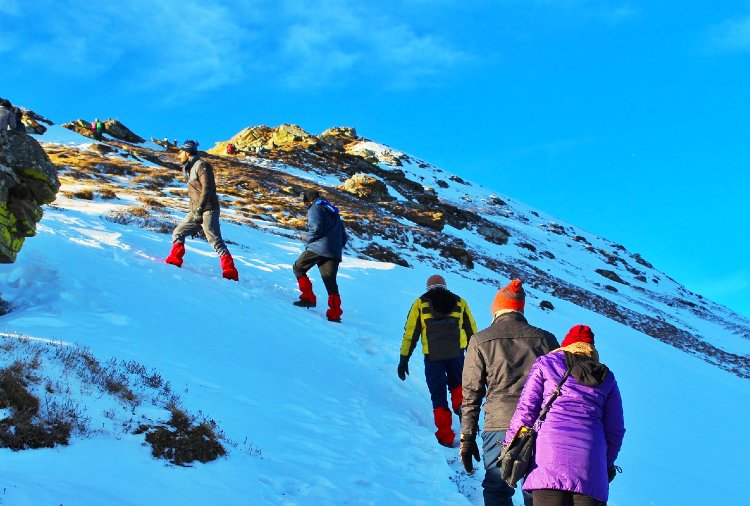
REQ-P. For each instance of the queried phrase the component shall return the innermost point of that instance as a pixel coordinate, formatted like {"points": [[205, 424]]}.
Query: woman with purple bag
{"points": [[578, 441]]}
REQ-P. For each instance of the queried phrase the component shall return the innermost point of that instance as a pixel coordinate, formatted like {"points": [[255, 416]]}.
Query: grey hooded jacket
{"points": [[201, 185], [497, 363]]}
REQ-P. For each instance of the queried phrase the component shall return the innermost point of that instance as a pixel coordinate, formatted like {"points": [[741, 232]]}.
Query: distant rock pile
{"points": [[253, 139], [367, 188], [32, 121], [28, 180], [338, 137], [287, 137], [112, 127]]}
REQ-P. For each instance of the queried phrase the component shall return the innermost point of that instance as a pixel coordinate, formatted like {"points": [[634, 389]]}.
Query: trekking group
{"points": [[326, 236], [515, 368]]}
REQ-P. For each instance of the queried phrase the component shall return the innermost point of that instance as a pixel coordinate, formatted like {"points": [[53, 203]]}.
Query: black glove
{"points": [[403, 367], [612, 472], [198, 216], [468, 449]]}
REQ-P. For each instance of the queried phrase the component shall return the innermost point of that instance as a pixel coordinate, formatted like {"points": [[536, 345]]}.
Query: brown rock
{"points": [[367, 188], [119, 131], [28, 179]]}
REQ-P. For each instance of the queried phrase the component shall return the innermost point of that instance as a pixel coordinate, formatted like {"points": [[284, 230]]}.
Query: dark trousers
{"points": [[495, 491], [441, 374], [327, 266], [564, 498]]}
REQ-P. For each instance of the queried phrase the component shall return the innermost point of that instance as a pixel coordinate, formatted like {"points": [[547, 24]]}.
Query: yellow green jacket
{"points": [[442, 321]]}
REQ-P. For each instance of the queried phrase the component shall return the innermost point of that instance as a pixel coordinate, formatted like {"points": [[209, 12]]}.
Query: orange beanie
{"points": [[436, 281], [509, 297], [578, 334]]}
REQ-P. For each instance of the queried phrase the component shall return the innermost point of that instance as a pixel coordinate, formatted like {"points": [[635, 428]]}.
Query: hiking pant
{"points": [[547, 497], [441, 374], [327, 266], [496, 492], [210, 228]]}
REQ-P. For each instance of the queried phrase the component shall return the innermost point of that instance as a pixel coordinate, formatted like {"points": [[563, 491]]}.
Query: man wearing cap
{"points": [[204, 210], [498, 361], [326, 239], [444, 324]]}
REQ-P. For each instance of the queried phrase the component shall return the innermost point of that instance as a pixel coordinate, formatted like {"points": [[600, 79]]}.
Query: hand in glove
{"points": [[403, 367], [198, 216], [468, 449]]}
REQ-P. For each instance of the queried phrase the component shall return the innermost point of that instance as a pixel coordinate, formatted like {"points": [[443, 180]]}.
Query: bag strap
{"points": [[555, 394]]}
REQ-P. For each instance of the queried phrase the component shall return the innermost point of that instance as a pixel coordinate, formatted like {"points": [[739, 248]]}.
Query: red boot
{"points": [[175, 256], [307, 299], [334, 308], [228, 271], [457, 397], [444, 434]]}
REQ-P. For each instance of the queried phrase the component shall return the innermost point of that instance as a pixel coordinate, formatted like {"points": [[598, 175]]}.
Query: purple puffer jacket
{"points": [[582, 433]]}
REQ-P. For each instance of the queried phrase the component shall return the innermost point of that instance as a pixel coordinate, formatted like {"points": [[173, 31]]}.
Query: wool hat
{"points": [[509, 297], [190, 146], [578, 334], [310, 196], [436, 281]]}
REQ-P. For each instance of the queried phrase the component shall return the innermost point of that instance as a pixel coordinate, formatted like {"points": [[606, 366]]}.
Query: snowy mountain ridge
{"points": [[312, 412], [477, 233]]}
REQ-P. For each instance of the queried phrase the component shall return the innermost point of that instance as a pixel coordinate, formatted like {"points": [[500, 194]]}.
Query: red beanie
{"points": [[578, 334], [509, 297]]}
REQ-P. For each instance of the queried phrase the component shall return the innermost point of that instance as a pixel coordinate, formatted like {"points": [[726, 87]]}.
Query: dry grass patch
{"points": [[29, 426], [107, 193], [139, 216], [184, 439], [85, 194], [151, 202]]}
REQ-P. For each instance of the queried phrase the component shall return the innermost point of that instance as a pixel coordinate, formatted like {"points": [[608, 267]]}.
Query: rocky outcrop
{"points": [[28, 180], [80, 126], [375, 156], [112, 127], [285, 137], [338, 137], [366, 188], [32, 121], [290, 136], [119, 131], [611, 275]]}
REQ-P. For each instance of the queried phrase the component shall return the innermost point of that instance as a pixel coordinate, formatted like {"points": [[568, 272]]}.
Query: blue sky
{"points": [[626, 118]]}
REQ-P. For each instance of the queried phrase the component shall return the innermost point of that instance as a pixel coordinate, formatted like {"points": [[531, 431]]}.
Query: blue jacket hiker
{"points": [[326, 239]]}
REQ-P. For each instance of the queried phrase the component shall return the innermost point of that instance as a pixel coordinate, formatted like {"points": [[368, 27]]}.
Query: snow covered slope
{"points": [[313, 411]]}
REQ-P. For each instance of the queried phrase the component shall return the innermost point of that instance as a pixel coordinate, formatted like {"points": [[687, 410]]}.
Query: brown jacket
{"points": [[497, 362], [201, 185]]}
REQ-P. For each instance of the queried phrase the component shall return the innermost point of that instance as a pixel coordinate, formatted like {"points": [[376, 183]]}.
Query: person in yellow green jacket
{"points": [[443, 323]]}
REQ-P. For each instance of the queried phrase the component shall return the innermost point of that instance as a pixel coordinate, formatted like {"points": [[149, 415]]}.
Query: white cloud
{"points": [[325, 41], [731, 36], [196, 46], [186, 48]]}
